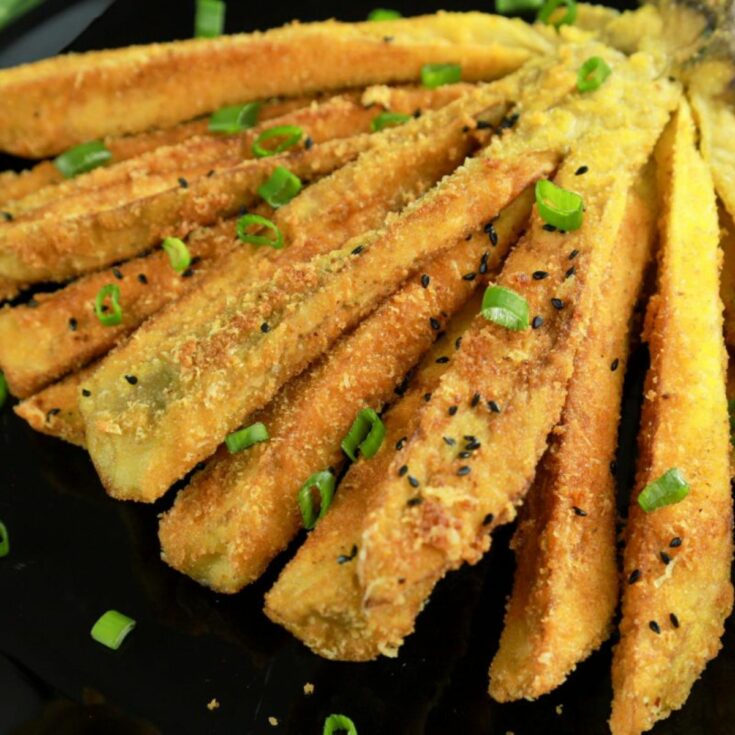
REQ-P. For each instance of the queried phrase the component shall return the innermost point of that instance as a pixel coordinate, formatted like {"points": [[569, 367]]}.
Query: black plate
{"points": [[75, 553]]}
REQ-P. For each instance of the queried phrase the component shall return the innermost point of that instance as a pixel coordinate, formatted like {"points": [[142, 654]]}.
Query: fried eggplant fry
{"points": [[214, 533], [93, 95], [565, 588], [437, 516], [677, 558], [318, 597]]}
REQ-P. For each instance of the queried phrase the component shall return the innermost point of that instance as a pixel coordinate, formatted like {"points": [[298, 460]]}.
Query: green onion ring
{"points": [[325, 483]]}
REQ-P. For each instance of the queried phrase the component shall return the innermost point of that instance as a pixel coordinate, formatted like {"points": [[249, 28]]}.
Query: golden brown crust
{"points": [[142, 87], [684, 426], [565, 588]]}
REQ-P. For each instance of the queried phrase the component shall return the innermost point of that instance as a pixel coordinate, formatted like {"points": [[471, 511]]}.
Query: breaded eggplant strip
{"points": [[677, 558], [437, 516], [237, 514], [15, 186], [318, 597], [51, 248], [128, 90], [566, 581], [183, 404], [727, 279]]}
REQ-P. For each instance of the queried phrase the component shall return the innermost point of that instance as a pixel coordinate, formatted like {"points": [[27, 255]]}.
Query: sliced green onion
{"points": [[505, 307], [3, 389], [324, 482], [209, 21], [388, 120], [383, 14], [670, 488], [437, 75], [281, 187], [510, 7], [178, 253], [235, 119], [366, 434], [558, 207], [114, 316], [4, 541], [112, 629], [592, 74], [247, 220], [244, 438], [82, 158], [339, 723], [291, 135], [548, 11]]}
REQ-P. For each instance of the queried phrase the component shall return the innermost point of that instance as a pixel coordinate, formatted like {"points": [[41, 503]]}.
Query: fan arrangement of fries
{"points": [[399, 314]]}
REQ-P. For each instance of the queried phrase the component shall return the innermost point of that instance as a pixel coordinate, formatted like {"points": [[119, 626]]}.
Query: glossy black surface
{"points": [[75, 553]]}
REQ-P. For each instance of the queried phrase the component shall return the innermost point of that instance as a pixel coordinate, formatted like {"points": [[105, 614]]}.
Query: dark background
{"points": [[75, 553]]}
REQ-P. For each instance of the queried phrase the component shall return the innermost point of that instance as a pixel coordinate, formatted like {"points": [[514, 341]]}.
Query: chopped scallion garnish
{"points": [[244, 438], [112, 629], [339, 723], [548, 13], [324, 482], [592, 74], [558, 207], [178, 253], [3, 389], [111, 315], [383, 14], [511, 7], [209, 21], [437, 75], [670, 488], [4, 541], [281, 187], [248, 220], [82, 158], [366, 434], [235, 119], [291, 135], [505, 307], [388, 120]]}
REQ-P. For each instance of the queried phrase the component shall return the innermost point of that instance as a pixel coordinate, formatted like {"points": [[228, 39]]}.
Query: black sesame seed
{"points": [[655, 627], [665, 558], [488, 519], [465, 128], [468, 237], [344, 558], [578, 511], [434, 323], [483, 125], [427, 397], [449, 441], [674, 620], [52, 412], [73, 324], [570, 272], [614, 364], [131, 379], [86, 393], [464, 470], [142, 278], [117, 273], [493, 406], [188, 273], [308, 143], [581, 170], [417, 113], [469, 276], [548, 228], [472, 445], [457, 343], [464, 455], [634, 576], [412, 481], [475, 400], [491, 233], [402, 470], [7, 216], [401, 443], [183, 183], [442, 360], [413, 502], [452, 410], [536, 322], [675, 542], [210, 173], [573, 254], [540, 275], [483, 262], [357, 250], [558, 304], [265, 327], [425, 280], [508, 122]]}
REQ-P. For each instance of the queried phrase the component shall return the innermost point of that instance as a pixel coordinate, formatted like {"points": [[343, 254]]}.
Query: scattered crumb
{"points": [[308, 688], [213, 704], [559, 709], [273, 721]]}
